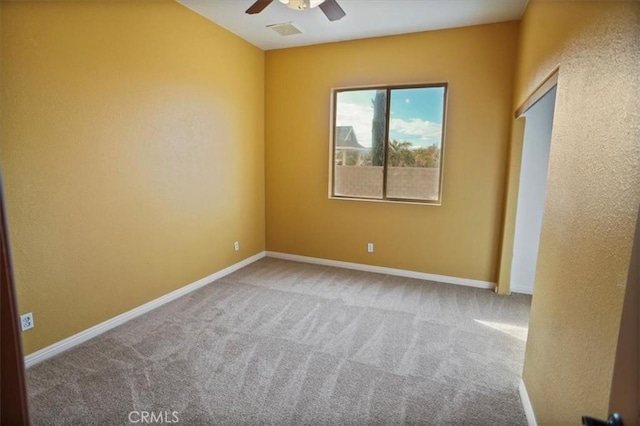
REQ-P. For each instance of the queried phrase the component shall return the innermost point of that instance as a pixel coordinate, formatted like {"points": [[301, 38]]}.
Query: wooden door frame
{"points": [[13, 389]]}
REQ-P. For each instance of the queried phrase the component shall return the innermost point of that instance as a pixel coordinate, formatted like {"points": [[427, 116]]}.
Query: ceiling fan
{"points": [[331, 8]]}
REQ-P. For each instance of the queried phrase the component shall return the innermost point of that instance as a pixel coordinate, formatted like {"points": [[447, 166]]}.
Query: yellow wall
{"points": [[132, 147], [593, 195], [460, 238], [514, 164]]}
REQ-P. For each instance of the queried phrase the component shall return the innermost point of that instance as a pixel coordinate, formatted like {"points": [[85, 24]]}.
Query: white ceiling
{"points": [[365, 18]]}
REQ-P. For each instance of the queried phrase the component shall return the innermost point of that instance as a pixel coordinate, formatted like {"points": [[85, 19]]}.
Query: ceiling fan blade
{"points": [[332, 9], [258, 6]]}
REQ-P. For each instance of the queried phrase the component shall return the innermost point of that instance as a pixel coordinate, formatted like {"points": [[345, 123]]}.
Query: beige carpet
{"points": [[280, 342]]}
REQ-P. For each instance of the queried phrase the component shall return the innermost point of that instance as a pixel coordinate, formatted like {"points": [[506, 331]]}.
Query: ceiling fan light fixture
{"points": [[301, 4]]}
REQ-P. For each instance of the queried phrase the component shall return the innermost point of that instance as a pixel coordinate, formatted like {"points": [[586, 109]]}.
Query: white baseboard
{"points": [[526, 404], [521, 290], [96, 330], [383, 270]]}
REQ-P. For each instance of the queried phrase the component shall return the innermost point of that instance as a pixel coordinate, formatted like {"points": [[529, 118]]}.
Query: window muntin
{"points": [[388, 143]]}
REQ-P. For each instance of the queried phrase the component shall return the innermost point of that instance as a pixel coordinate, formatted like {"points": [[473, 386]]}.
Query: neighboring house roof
{"points": [[346, 138]]}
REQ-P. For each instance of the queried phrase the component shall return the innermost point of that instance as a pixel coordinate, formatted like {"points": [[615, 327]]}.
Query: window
{"points": [[388, 143]]}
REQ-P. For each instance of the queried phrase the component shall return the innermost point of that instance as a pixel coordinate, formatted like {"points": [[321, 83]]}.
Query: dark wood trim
{"points": [[537, 94], [13, 390]]}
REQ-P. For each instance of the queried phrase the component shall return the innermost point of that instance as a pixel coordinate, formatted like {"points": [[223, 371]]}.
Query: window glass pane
{"points": [[359, 143], [415, 143]]}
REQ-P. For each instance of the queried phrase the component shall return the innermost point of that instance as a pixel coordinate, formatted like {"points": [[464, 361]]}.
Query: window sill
{"points": [[373, 200]]}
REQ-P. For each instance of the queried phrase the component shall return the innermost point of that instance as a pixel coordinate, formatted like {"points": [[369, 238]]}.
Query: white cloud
{"points": [[415, 127], [360, 116]]}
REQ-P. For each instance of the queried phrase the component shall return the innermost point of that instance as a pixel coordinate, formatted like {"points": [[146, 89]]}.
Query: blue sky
{"points": [[416, 114]]}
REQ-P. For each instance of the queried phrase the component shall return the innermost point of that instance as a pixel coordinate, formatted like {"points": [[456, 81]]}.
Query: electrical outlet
{"points": [[370, 247], [236, 246], [26, 321]]}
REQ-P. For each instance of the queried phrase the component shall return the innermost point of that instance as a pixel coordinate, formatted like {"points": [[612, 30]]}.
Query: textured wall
{"points": [[413, 182], [402, 182], [592, 199], [461, 237], [361, 181], [132, 147]]}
